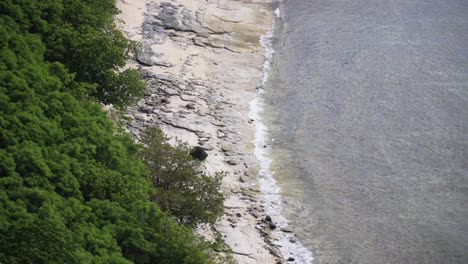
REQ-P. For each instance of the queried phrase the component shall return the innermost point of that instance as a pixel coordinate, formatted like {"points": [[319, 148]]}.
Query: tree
{"points": [[121, 89], [191, 197], [81, 34], [72, 187]]}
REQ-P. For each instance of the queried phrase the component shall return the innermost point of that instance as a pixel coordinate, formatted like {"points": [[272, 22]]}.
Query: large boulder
{"points": [[199, 153]]}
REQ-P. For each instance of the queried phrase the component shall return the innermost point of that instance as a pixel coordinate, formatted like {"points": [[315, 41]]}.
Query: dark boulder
{"points": [[199, 153], [190, 106]]}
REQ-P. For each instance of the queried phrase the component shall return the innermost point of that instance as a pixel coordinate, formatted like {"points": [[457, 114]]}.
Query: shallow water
{"points": [[367, 103]]}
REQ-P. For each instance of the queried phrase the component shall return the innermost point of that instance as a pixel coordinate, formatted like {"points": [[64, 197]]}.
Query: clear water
{"points": [[367, 104]]}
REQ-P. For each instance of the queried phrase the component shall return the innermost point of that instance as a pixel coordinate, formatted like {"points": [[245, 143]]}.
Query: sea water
{"points": [[271, 192], [362, 129]]}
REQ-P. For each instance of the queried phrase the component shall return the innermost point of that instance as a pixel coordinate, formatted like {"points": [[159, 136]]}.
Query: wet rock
{"points": [[199, 153], [272, 225], [268, 218]]}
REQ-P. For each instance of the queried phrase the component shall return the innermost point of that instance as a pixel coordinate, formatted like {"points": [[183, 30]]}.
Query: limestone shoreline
{"points": [[203, 62]]}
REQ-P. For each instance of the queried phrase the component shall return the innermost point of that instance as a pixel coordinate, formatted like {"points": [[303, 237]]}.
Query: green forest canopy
{"points": [[73, 188]]}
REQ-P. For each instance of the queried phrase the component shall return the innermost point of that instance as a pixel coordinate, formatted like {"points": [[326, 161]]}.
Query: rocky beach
{"points": [[234, 131], [203, 62]]}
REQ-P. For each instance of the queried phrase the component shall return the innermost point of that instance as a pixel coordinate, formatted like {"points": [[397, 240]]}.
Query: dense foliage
{"points": [[192, 197], [81, 35], [72, 188]]}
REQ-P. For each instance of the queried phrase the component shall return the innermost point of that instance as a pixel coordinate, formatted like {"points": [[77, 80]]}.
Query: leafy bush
{"points": [[72, 188], [81, 34], [192, 198]]}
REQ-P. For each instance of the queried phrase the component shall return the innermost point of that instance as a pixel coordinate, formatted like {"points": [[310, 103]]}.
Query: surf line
{"points": [[288, 243]]}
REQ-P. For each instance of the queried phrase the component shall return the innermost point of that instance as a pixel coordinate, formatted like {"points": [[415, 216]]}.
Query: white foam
{"points": [[277, 12], [265, 41], [270, 190]]}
